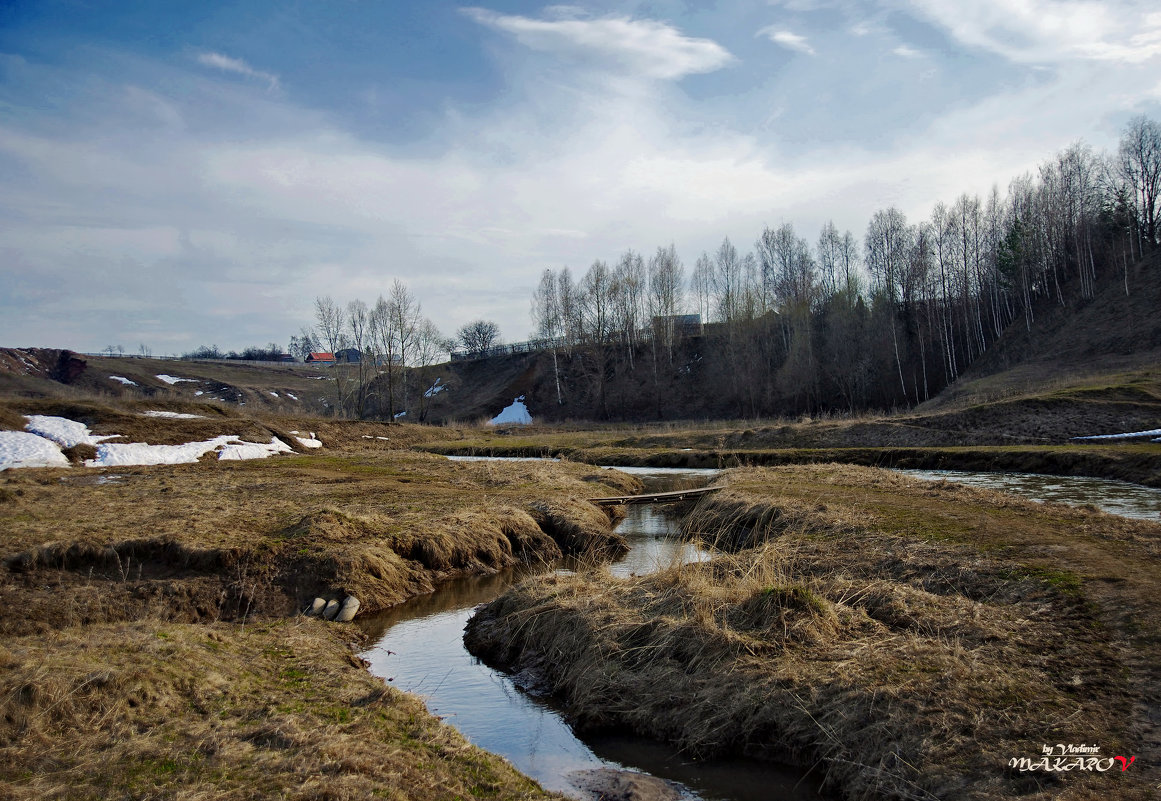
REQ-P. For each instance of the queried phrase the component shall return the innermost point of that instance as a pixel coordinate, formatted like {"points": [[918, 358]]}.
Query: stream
{"points": [[418, 647], [1114, 497]]}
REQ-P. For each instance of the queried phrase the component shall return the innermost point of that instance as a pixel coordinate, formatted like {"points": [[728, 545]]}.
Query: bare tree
{"points": [[329, 317], [1140, 164], [549, 320], [430, 348], [630, 283], [701, 284], [479, 336], [404, 313], [727, 282], [360, 371]]}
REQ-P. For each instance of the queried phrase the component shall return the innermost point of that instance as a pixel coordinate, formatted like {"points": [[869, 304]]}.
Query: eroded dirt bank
{"points": [[151, 623], [914, 638]]}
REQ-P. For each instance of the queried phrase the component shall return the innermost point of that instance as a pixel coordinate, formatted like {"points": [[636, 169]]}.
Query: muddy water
{"points": [[419, 648], [1115, 497]]}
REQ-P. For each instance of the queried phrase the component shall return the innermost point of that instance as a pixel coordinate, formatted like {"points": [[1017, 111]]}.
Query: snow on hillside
{"points": [[172, 379], [516, 413], [41, 445], [63, 431], [123, 380], [21, 449]]}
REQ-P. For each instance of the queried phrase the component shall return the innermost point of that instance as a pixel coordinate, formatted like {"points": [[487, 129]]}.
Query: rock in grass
{"points": [[350, 608], [332, 609], [316, 607]]}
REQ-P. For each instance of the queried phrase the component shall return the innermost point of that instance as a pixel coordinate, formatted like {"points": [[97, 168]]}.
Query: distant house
{"points": [[320, 358], [348, 355]]}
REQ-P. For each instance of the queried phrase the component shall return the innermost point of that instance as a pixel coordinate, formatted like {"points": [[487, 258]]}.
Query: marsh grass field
{"points": [[905, 639]]}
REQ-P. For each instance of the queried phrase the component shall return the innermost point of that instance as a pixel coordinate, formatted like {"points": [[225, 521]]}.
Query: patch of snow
{"points": [[171, 380], [140, 453], [435, 389], [1151, 433], [173, 415], [123, 380], [383, 438], [310, 442], [228, 446], [292, 397], [275, 394], [516, 414], [254, 450], [21, 449], [63, 431], [199, 392], [400, 414]]}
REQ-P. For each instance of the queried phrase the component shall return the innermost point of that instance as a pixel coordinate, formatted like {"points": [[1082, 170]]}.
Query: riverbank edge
{"points": [[1135, 463], [600, 646]]}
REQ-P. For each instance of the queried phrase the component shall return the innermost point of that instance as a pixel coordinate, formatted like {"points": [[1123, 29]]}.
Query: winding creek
{"points": [[418, 647]]}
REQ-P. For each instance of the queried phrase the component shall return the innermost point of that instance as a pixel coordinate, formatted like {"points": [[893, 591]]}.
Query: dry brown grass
{"points": [[95, 708], [910, 638], [158, 710], [226, 540]]}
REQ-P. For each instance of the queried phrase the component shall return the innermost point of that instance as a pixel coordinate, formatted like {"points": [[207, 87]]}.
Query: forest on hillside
{"points": [[793, 326], [842, 325]]}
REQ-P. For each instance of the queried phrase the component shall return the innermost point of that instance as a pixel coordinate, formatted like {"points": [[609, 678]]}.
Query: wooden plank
{"points": [[656, 497]]}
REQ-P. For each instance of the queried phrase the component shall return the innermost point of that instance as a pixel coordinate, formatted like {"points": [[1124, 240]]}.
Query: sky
{"points": [[176, 174]]}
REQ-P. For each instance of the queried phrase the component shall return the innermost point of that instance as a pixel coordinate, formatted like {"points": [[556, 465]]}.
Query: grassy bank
{"points": [[910, 639], [152, 647], [272, 710]]}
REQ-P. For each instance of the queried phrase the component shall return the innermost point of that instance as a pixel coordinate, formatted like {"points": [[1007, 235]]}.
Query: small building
{"points": [[684, 325], [320, 358], [348, 355]]}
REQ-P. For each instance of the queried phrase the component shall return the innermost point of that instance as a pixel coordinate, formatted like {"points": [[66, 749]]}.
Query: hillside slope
{"points": [[60, 374], [1092, 367]]}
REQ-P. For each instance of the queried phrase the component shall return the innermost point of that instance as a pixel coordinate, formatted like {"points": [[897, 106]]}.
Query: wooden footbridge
{"points": [[656, 497]]}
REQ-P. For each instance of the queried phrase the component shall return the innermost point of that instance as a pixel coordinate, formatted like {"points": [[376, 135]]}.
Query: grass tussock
{"points": [[282, 710], [909, 640]]}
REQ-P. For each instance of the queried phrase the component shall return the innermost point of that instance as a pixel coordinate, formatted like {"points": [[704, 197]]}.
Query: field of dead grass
{"points": [[229, 539], [908, 639], [152, 648], [272, 710]]}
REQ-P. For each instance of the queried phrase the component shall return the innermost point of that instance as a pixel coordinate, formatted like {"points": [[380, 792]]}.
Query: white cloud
{"points": [[155, 227], [1051, 30], [905, 51], [646, 48], [789, 40], [238, 67]]}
